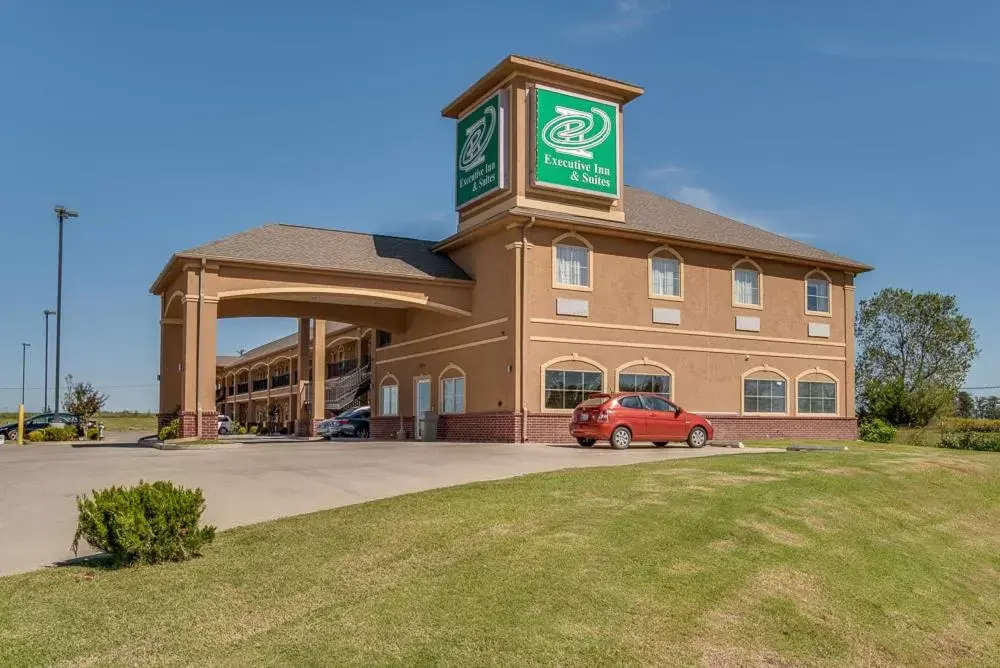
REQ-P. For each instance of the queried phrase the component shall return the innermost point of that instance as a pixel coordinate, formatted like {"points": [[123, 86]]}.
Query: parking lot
{"points": [[259, 482]]}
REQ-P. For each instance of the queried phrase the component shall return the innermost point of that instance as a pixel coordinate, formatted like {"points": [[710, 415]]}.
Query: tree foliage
{"points": [[965, 405], [915, 351], [83, 399]]}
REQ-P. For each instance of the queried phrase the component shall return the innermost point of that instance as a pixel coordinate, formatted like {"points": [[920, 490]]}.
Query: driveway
{"points": [[259, 482]]}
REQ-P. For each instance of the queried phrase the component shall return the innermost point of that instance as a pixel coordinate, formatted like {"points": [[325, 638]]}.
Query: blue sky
{"points": [[869, 128]]}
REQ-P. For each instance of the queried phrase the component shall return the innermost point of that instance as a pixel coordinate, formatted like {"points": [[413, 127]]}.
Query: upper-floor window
{"points": [[571, 262], [665, 267], [383, 339], [746, 284], [818, 293]]}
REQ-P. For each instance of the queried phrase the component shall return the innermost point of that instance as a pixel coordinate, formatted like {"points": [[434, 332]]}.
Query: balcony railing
{"points": [[260, 385], [242, 388], [280, 381]]}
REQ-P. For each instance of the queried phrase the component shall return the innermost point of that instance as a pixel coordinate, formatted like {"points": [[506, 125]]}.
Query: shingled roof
{"points": [[321, 248], [663, 216]]}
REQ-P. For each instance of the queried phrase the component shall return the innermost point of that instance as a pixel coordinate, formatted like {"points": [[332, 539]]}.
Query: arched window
{"points": [[666, 271], [816, 392], [389, 395], [747, 284], [645, 375], [765, 391], [818, 300], [566, 381], [452, 394], [571, 262]]}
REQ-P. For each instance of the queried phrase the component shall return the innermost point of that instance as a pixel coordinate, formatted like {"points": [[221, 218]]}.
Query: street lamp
{"points": [[45, 396], [62, 213], [24, 359]]}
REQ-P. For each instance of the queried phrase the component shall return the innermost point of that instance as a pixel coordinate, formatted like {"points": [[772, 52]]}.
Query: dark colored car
{"points": [[355, 422], [37, 422], [623, 417]]}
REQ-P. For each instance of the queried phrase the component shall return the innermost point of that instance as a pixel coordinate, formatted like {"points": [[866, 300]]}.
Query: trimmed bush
{"points": [[145, 524], [253, 429], [970, 424], [58, 434], [972, 440], [93, 434], [36, 436], [241, 430], [170, 430], [876, 430]]}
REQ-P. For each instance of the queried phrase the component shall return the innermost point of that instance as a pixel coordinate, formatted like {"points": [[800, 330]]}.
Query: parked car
{"points": [[352, 422], [623, 417], [37, 422], [225, 425]]}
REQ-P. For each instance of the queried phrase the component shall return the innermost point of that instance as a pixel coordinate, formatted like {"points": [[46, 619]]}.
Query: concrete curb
{"points": [[195, 446]]}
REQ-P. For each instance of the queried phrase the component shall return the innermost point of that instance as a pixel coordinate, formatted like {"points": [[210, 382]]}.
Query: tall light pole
{"points": [[62, 213], [24, 365], [45, 396]]}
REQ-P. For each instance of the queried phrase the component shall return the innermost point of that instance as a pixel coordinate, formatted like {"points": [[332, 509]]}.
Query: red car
{"points": [[624, 417]]}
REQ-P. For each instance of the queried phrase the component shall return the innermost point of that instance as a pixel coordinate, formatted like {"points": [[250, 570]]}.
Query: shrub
{"points": [[93, 433], [972, 440], [970, 424], [145, 524], [877, 430], [170, 430], [36, 436], [253, 429], [58, 433], [242, 430]]}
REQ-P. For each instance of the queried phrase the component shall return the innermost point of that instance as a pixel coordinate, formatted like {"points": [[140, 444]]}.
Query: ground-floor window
{"points": [[453, 395], [644, 382], [390, 400], [762, 395], [566, 389], [817, 397]]}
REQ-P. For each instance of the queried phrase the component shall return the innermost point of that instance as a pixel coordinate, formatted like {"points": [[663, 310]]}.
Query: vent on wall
{"points": [[747, 323], [667, 316], [577, 307], [819, 329]]}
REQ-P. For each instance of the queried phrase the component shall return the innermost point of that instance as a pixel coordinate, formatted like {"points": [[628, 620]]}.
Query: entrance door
{"points": [[421, 404]]}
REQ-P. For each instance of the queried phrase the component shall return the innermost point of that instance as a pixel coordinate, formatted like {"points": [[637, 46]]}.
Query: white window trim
{"points": [[388, 380], [567, 358], [645, 361], [789, 395], [836, 383], [555, 262], [760, 283], [465, 381], [666, 252], [805, 285]]}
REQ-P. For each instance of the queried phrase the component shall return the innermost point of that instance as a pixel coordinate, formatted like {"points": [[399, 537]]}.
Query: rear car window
{"points": [[630, 402], [593, 402]]}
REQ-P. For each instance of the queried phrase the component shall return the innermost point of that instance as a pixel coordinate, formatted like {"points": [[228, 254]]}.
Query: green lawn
{"points": [[860, 557]]}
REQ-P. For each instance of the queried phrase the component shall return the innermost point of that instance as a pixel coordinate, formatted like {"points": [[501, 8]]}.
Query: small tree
{"points": [[915, 351], [965, 406], [988, 408], [83, 399]]}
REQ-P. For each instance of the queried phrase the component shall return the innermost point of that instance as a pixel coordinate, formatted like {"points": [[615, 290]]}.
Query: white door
{"points": [[422, 404]]}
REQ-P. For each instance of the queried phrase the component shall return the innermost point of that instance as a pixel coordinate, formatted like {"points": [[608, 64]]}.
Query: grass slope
{"points": [[824, 559]]}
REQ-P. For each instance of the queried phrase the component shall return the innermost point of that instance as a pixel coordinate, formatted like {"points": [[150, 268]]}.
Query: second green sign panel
{"points": [[576, 142]]}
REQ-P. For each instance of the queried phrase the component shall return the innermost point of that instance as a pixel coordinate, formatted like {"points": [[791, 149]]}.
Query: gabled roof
{"points": [[663, 216], [322, 248]]}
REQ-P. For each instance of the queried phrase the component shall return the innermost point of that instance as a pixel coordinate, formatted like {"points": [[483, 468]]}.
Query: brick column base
{"points": [[189, 424]]}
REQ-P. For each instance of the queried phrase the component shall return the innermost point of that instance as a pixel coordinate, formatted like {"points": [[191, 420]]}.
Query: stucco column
{"points": [[301, 417], [849, 338], [198, 400], [171, 366], [319, 374]]}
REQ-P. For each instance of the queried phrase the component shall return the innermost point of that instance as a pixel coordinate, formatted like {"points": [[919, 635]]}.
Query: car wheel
{"points": [[12, 435], [362, 432], [659, 444], [621, 438], [586, 442], [698, 437]]}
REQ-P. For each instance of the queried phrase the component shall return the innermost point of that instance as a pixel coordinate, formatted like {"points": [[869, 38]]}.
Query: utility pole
{"points": [[62, 213], [45, 396], [24, 365]]}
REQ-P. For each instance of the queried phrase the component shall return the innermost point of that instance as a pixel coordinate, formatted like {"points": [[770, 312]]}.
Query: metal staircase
{"points": [[346, 390]]}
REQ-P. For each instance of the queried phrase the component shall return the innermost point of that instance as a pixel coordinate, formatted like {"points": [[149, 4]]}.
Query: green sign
{"points": [[576, 142], [479, 158]]}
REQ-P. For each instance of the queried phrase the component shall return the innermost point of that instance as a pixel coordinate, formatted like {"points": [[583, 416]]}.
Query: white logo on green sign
{"points": [[576, 143], [572, 131], [479, 158], [477, 140]]}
